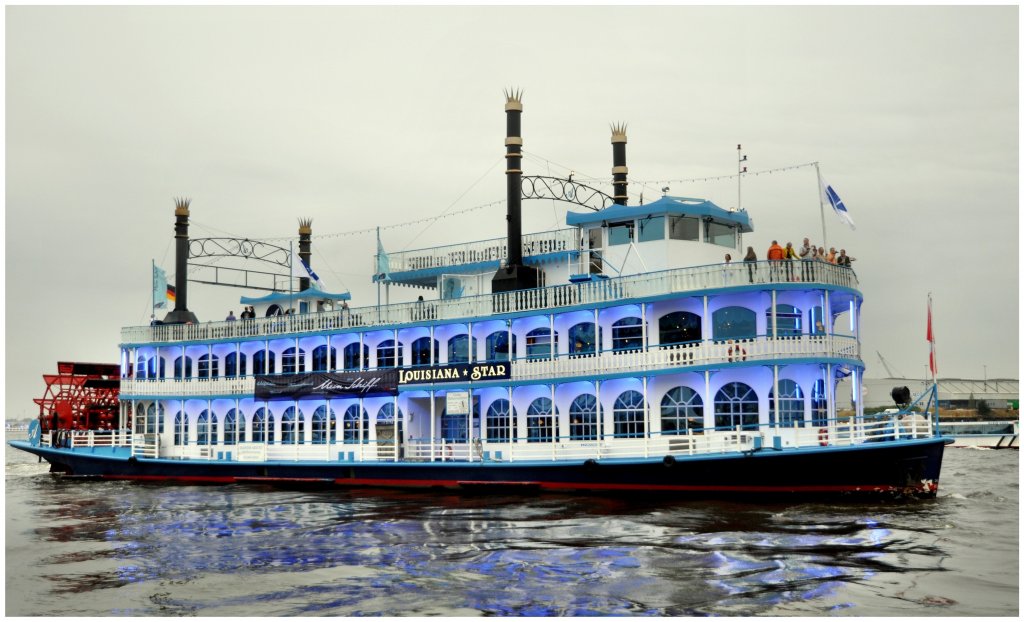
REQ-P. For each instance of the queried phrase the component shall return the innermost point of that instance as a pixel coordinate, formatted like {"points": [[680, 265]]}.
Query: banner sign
{"points": [[328, 384], [372, 382], [457, 403], [460, 372]]}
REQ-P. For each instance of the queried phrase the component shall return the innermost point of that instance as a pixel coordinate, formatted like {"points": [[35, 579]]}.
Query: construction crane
{"points": [[888, 369]]}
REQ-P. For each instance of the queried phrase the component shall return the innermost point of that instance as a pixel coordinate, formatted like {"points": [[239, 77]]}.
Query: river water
{"points": [[118, 548]]}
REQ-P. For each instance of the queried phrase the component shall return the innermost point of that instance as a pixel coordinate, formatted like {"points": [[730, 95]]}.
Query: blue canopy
{"points": [[677, 206], [306, 294]]}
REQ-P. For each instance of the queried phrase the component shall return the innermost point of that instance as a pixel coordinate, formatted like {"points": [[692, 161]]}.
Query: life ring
{"points": [[741, 353], [823, 437]]}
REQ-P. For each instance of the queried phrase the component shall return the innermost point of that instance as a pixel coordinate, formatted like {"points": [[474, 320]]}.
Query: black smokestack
{"points": [[514, 275], [305, 240], [181, 314], [619, 170]]}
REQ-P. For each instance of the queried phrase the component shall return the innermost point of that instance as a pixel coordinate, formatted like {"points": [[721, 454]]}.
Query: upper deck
{"points": [[697, 280]]}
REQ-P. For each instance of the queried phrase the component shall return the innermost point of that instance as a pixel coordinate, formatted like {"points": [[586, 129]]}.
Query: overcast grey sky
{"points": [[357, 117]]}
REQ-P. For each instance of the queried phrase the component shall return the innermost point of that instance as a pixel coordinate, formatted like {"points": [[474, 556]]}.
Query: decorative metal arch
{"points": [[541, 187], [236, 247]]}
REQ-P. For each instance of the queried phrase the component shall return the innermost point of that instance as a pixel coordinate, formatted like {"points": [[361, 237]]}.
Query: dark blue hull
{"points": [[909, 467]]}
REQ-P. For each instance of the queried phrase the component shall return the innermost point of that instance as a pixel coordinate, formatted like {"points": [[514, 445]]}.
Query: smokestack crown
{"points": [[513, 100], [618, 132]]}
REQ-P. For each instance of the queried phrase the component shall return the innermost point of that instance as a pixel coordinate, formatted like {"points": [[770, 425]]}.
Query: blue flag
{"points": [[836, 203]]}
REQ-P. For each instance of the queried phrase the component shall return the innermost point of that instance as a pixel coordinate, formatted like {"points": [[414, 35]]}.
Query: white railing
{"points": [[542, 243], [93, 438], [664, 357], [678, 281]]}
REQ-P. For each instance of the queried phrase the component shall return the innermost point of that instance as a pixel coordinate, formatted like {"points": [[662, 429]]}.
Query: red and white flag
{"points": [[931, 340]]}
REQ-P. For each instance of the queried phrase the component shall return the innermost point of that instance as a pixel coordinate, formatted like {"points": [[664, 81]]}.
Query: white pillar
{"points": [[433, 429]]}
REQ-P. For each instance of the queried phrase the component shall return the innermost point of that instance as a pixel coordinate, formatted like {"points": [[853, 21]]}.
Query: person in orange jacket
{"points": [[775, 253]]}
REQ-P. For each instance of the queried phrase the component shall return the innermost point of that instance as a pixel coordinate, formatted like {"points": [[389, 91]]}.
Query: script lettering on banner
{"points": [[328, 384], [251, 452]]}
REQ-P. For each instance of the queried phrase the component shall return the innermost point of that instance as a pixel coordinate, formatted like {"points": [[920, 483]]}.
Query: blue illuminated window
{"points": [[459, 350], [682, 409], [498, 421], [736, 405], [679, 327], [182, 372], [539, 343], [788, 318], [234, 427], [352, 358], [583, 422], [320, 358], [817, 321], [259, 362], [207, 366], [233, 364], [627, 334], [319, 426], [497, 346], [388, 355], [180, 428], [293, 427], [582, 340], [291, 362], [206, 428], [353, 425], [421, 354], [155, 419], [540, 421], [628, 415], [454, 427], [790, 404], [734, 323], [819, 404]]}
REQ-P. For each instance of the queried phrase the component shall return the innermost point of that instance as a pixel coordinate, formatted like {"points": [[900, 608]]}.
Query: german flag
{"points": [[170, 293]]}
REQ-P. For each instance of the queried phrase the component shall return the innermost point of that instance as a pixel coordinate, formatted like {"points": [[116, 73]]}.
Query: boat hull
{"points": [[909, 467]]}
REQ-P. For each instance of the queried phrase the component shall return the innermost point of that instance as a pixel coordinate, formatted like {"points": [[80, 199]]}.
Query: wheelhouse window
{"points": [[292, 362], [260, 360], [722, 235], [651, 228], [540, 421], [388, 355], [497, 346], [207, 366], [233, 364], [539, 343], [683, 228], [583, 421], [421, 354], [679, 327], [627, 334], [790, 405], [736, 405], [459, 350], [628, 415], [582, 339], [320, 358], [352, 358], [594, 238], [620, 233], [734, 323], [354, 428], [788, 319], [682, 409], [498, 421]]}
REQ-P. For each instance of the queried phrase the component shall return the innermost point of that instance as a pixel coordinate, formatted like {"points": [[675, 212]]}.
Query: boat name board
{"points": [[372, 382]]}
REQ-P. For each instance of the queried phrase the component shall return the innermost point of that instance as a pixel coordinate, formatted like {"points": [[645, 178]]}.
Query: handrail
{"points": [[679, 280], [544, 242]]}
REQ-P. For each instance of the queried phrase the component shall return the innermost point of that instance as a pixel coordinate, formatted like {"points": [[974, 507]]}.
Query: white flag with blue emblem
{"points": [[837, 204]]}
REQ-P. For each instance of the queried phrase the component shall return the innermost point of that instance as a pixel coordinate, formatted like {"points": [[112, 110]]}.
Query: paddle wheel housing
{"points": [[80, 396]]}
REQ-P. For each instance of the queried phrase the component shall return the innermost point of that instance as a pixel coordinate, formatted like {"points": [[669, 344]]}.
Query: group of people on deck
{"points": [[807, 253]]}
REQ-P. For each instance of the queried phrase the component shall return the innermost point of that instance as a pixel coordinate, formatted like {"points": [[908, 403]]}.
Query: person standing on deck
{"points": [[775, 253], [751, 259], [806, 269]]}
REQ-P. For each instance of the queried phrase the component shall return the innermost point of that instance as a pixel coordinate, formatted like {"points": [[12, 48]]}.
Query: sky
{"points": [[358, 117]]}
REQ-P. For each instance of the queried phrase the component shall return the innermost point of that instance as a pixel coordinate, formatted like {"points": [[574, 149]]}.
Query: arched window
{"points": [[736, 405], [582, 339], [352, 358], [733, 323], [679, 327], [628, 415], [353, 426], [206, 428], [421, 351], [155, 418], [819, 404], [388, 355], [260, 360], [498, 421], [540, 421], [682, 409], [497, 346], [386, 416], [319, 426], [180, 428], [262, 426], [454, 428], [583, 422], [182, 371], [320, 358], [788, 319], [140, 367], [292, 363], [539, 343], [234, 427], [293, 427], [207, 366], [627, 334], [459, 350], [791, 405], [233, 364], [156, 368]]}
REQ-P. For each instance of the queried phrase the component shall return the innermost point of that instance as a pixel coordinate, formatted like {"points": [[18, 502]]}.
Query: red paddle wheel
{"points": [[80, 396]]}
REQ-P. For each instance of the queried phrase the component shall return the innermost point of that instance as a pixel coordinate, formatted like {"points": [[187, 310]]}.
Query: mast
{"points": [[821, 203]]}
